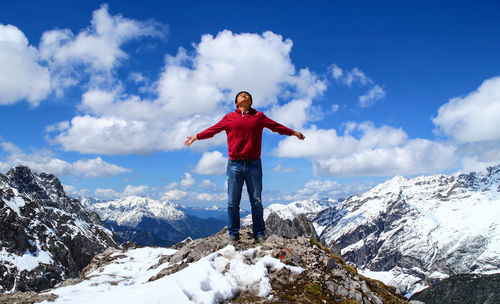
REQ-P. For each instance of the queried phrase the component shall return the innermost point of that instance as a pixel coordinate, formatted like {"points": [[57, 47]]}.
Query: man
{"points": [[244, 129]]}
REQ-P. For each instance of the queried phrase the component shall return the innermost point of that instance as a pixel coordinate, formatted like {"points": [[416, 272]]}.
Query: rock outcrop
{"points": [[45, 236], [313, 273]]}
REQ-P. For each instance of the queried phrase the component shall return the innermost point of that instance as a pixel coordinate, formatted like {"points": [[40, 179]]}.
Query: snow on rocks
{"points": [[211, 271]]}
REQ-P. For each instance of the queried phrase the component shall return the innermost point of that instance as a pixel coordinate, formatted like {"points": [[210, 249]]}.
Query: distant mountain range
{"points": [[146, 221], [310, 208]]}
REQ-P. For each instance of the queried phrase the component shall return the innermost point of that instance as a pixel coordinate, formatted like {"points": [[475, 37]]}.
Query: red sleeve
{"points": [[276, 127], [210, 132]]}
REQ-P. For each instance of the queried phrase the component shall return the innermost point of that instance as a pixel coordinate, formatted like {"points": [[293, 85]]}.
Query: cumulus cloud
{"points": [[472, 118], [383, 151], [106, 193], [21, 75], [211, 163], [97, 168], [44, 161], [187, 181], [208, 184], [134, 190], [194, 91], [98, 48], [294, 114], [174, 195], [198, 82]]}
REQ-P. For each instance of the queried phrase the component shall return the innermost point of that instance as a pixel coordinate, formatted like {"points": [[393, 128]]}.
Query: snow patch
{"points": [[15, 203], [28, 261], [218, 277]]}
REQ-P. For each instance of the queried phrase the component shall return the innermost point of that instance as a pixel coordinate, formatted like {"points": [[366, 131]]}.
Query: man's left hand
{"points": [[299, 135]]}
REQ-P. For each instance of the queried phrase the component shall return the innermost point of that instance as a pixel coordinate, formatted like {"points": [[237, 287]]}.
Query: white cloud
{"points": [[106, 193], [356, 76], [44, 161], [211, 163], [135, 190], [383, 151], [294, 114], [208, 184], [187, 181], [97, 168], [283, 169], [174, 195], [228, 62], [375, 93], [21, 75], [475, 117], [194, 92], [348, 78], [324, 188], [211, 197], [98, 48], [336, 71]]}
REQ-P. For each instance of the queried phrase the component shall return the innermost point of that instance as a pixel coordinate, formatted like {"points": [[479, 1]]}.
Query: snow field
{"points": [[219, 276]]}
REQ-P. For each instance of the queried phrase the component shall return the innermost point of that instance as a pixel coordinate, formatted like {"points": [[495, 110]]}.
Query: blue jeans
{"points": [[250, 172]]}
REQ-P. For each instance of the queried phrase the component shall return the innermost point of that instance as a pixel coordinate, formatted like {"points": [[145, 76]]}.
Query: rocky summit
{"points": [[211, 270], [45, 236]]}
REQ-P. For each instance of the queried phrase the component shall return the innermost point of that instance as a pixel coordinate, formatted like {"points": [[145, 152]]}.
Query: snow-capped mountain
{"points": [[131, 210], [411, 232], [147, 221], [310, 208], [45, 236]]}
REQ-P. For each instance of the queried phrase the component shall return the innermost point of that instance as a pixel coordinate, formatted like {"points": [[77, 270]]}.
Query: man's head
{"points": [[243, 97]]}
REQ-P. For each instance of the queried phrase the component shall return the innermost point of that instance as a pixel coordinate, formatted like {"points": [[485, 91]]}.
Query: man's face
{"points": [[244, 100]]}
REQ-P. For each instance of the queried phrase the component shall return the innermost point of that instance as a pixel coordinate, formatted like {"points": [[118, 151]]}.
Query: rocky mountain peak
{"points": [[209, 270], [45, 236]]}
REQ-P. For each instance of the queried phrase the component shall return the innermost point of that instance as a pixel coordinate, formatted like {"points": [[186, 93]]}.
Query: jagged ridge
{"points": [[421, 230], [45, 236]]}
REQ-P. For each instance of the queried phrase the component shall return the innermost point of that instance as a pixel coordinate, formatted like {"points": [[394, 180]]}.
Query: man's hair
{"points": [[236, 98]]}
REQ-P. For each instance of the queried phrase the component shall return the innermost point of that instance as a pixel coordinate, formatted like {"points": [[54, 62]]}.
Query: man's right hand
{"points": [[190, 139]]}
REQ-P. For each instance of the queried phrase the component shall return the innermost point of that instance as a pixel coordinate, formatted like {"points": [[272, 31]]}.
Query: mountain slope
{"points": [[210, 271], [419, 231], [45, 236]]}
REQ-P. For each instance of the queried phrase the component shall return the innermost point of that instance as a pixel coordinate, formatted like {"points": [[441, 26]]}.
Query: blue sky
{"points": [[102, 94]]}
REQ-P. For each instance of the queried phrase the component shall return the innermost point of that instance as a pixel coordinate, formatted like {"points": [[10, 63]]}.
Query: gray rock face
{"points": [[483, 289], [299, 226], [45, 236]]}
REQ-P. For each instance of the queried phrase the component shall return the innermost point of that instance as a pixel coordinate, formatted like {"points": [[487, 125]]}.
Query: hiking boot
{"points": [[260, 239], [234, 239]]}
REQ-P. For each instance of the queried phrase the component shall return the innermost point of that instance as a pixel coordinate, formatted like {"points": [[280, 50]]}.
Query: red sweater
{"points": [[244, 132]]}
